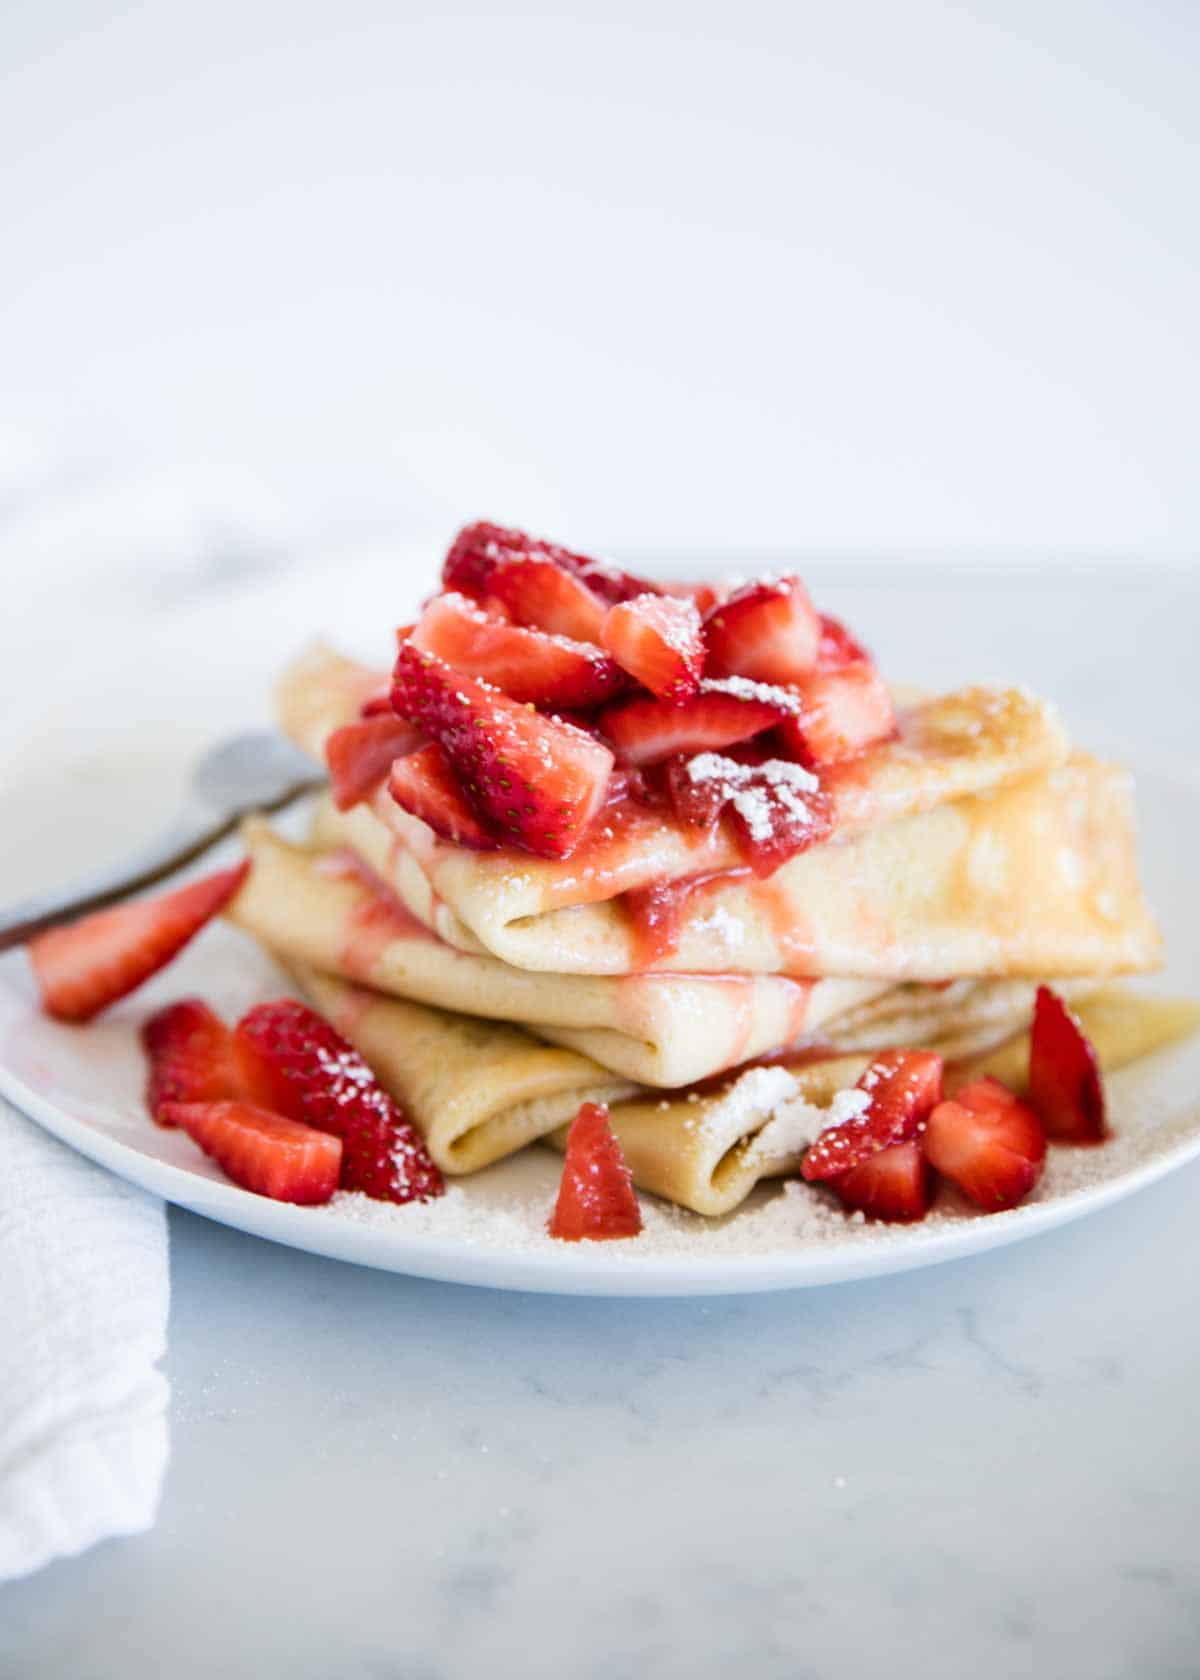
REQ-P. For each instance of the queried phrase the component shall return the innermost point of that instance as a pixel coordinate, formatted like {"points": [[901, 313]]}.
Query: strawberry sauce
{"points": [[656, 913]]}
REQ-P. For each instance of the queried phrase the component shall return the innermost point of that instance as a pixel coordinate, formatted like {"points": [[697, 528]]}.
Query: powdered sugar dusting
{"points": [[1154, 1113]]}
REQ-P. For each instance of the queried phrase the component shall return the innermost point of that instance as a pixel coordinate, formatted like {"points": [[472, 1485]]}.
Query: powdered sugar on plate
{"points": [[1154, 1110]]}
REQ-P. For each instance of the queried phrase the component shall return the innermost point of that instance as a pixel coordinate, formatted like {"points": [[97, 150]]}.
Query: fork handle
{"points": [[190, 835]]}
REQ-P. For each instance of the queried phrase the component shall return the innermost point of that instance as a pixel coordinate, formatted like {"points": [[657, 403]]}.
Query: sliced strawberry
{"points": [[901, 1088], [313, 1075], [478, 549], [837, 646], [83, 967], [525, 664], [718, 715], [191, 1056], [535, 781], [842, 712], [892, 1185], [424, 783], [262, 1151], [776, 807], [767, 630], [1064, 1074], [359, 755], [596, 1198], [988, 1142], [657, 639], [539, 593]]}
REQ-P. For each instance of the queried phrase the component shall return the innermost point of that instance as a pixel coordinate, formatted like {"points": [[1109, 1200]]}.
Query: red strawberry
{"points": [[988, 1142], [657, 639], [1064, 1074], [837, 646], [843, 711], [479, 548], [525, 664], [767, 630], [262, 1151], [540, 593], [718, 715], [903, 1086], [359, 755], [424, 783], [536, 781], [314, 1076], [596, 1198], [777, 808], [191, 1056], [85, 966], [892, 1184]]}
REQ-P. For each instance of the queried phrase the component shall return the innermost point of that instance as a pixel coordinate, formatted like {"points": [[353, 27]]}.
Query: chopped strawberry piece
{"points": [[988, 1142], [1065, 1086], [525, 664], [424, 783], [842, 712], [359, 755], [262, 1151], [313, 1075], [901, 1088], [83, 967], [596, 1198], [837, 646], [767, 630], [478, 549], [657, 639], [539, 593], [777, 808], [719, 714], [191, 1055], [535, 781], [892, 1185]]}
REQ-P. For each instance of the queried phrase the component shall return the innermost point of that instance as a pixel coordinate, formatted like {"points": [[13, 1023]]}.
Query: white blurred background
{"points": [[288, 291]]}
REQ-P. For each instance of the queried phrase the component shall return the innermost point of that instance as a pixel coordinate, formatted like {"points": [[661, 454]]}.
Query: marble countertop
{"points": [[984, 1468]]}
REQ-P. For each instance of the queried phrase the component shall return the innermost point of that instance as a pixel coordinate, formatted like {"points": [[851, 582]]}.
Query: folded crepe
{"points": [[479, 1090], [972, 844]]}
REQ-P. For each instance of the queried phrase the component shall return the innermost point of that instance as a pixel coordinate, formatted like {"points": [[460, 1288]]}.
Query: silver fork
{"points": [[256, 772]]}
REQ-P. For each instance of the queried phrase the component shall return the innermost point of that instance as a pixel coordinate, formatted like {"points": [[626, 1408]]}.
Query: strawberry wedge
{"points": [[988, 1142], [191, 1055], [526, 664], [359, 755], [657, 639], [767, 630], [478, 549], [841, 713], [311, 1074], [899, 1091], [424, 784], [596, 1198], [539, 593], [262, 1151], [89, 964], [719, 714], [1064, 1074], [534, 781], [892, 1185]]}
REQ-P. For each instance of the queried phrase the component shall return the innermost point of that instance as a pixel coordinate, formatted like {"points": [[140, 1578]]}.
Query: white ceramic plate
{"points": [[84, 1085]]}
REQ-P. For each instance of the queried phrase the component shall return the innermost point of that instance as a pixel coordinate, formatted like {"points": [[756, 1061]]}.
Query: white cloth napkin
{"points": [[83, 1319]]}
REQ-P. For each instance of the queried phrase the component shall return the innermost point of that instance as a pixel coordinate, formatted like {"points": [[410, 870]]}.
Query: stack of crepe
{"points": [[974, 854]]}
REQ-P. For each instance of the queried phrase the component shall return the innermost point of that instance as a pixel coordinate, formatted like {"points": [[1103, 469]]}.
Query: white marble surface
{"points": [[986, 1468]]}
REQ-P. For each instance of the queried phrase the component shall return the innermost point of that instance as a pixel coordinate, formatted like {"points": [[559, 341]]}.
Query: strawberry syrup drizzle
{"points": [[656, 913], [376, 922]]}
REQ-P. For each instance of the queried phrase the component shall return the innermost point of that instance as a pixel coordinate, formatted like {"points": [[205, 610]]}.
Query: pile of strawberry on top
{"points": [[541, 686]]}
